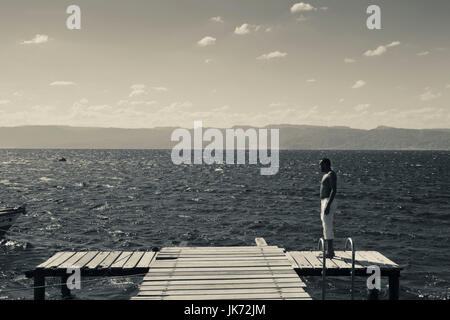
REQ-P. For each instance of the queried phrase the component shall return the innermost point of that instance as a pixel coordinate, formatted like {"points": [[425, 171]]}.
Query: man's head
{"points": [[325, 165]]}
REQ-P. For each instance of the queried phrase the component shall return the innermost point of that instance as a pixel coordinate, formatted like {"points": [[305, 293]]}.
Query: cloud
{"points": [[62, 83], [302, 7], [361, 107], [311, 80], [424, 53], [447, 86], [138, 90], [272, 55], [381, 49], [359, 84], [208, 61], [3, 102], [246, 28], [206, 41], [217, 19], [429, 95], [38, 39], [160, 89], [349, 60]]}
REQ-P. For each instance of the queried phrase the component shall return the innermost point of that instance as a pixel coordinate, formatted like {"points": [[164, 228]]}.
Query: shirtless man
{"points": [[328, 205]]}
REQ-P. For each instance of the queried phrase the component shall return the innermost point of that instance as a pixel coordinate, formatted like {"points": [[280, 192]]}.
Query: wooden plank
{"points": [[122, 259], [267, 281], [194, 264], [94, 263], [218, 248], [65, 256], [362, 260], [222, 286], [50, 260], [146, 260], [163, 256], [133, 260], [370, 259], [382, 258], [346, 256], [72, 260], [234, 297], [226, 258], [235, 251], [108, 261], [225, 268], [341, 263], [218, 277], [86, 258], [329, 262], [260, 242], [220, 291], [199, 273], [300, 259], [312, 259]]}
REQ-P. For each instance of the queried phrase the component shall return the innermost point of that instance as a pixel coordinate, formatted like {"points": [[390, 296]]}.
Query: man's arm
{"points": [[333, 185]]}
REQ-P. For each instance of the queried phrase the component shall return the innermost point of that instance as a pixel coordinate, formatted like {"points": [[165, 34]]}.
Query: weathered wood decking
{"points": [[91, 264], [218, 273], [309, 263]]}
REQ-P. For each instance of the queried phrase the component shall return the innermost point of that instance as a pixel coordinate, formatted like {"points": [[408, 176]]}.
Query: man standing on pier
{"points": [[328, 205]]}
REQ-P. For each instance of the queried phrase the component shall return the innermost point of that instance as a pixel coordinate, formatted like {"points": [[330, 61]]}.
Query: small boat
{"points": [[7, 218]]}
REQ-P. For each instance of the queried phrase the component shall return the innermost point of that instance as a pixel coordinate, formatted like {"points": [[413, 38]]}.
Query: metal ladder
{"points": [[321, 246]]}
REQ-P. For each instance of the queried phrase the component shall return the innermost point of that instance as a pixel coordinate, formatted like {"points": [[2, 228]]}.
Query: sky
{"points": [[153, 63]]}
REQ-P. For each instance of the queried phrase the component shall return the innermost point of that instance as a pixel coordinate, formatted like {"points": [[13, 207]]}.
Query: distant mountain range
{"points": [[291, 137]]}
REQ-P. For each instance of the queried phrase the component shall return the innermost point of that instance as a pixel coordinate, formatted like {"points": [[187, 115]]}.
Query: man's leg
{"points": [[329, 232]]}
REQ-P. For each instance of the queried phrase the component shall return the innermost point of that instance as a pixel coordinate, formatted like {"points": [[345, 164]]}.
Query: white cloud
{"points": [[138, 90], [217, 19], [361, 107], [429, 95], [423, 53], [302, 7], [272, 55], [311, 80], [138, 86], [349, 60], [38, 39], [206, 41], [62, 83], [3, 102], [161, 89], [447, 86], [381, 49], [208, 61], [246, 28], [359, 84]]}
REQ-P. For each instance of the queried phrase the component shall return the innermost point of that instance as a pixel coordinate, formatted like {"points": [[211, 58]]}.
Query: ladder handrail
{"points": [[324, 266], [352, 273]]}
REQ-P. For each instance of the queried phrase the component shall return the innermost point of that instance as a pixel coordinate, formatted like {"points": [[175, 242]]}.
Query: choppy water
{"points": [[394, 202]]}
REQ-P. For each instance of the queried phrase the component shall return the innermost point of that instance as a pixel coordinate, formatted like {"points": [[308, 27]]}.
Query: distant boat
{"points": [[62, 159], [7, 218]]}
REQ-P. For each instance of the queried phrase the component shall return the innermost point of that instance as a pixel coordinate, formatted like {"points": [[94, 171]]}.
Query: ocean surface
{"points": [[396, 202]]}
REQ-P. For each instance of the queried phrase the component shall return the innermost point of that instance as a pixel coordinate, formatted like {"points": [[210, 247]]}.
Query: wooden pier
{"points": [[215, 273]]}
